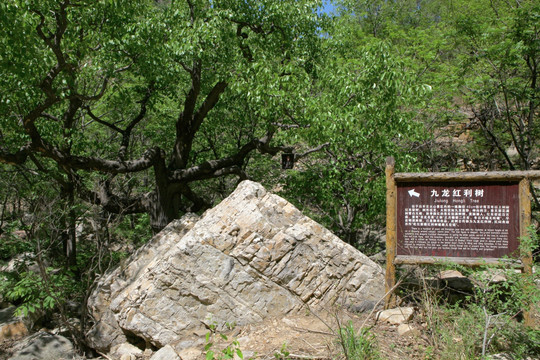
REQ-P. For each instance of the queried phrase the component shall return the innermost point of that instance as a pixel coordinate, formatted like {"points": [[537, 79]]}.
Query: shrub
{"points": [[358, 346]]}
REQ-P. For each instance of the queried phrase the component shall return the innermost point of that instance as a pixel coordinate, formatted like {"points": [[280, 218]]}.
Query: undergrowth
{"points": [[359, 345], [490, 319]]}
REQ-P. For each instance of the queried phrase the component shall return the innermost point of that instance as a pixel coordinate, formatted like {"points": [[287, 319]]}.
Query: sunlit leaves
{"points": [[362, 105], [111, 79]]}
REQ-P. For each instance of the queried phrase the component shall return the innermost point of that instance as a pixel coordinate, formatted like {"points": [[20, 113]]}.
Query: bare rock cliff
{"points": [[252, 257]]}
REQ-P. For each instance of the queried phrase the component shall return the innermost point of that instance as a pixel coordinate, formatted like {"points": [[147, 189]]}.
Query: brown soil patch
{"points": [[316, 337]]}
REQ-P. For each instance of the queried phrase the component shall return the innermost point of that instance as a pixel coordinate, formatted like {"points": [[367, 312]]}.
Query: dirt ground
{"points": [[315, 337]]}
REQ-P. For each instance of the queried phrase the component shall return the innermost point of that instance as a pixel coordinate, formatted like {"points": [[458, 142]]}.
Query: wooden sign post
{"points": [[390, 277], [465, 218]]}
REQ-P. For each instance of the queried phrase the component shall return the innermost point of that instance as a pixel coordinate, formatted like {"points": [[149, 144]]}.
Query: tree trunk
{"points": [[161, 203], [160, 211], [69, 219]]}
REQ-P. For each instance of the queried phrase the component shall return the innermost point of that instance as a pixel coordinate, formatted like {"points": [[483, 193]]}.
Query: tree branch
{"points": [[50, 117], [111, 202], [208, 104], [291, 126], [214, 168], [495, 141], [17, 158], [95, 97], [233, 164], [53, 41], [103, 122], [198, 202], [310, 151], [184, 123], [126, 134], [146, 161]]}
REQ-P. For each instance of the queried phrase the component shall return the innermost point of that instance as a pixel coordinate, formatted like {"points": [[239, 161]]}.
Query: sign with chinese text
{"points": [[478, 220]]}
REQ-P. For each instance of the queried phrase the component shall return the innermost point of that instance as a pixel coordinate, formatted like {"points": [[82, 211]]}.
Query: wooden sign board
{"points": [[465, 218], [458, 220]]}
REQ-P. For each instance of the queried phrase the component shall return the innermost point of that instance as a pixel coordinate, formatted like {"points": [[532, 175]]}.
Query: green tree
{"points": [[363, 108], [499, 53], [481, 60], [128, 105]]}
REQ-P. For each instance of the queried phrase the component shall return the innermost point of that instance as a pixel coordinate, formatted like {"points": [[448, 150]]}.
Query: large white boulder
{"points": [[252, 257]]}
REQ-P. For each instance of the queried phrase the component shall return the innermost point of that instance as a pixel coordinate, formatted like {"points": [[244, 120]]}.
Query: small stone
{"points": [[190, 354], [125, 351], [448, 274], [166, 353], [147, 353], [396, 316], [363, 306], [407, 330], [455, 280]]}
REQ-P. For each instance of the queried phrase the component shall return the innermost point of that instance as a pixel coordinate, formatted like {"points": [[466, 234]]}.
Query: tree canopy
{"points": [[160, 107], [183, 91]]}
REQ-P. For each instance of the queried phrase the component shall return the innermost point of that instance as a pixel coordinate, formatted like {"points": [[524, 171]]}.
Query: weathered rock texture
{"points": [[252, 257], [45, 346]]}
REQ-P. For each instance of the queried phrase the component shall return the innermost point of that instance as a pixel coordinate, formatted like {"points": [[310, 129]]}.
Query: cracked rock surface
{"points": [[252, 257]]}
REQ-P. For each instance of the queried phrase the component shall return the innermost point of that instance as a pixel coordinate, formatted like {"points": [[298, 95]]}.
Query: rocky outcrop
{"points": [[252, 257], [43, 345]]}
